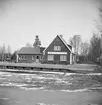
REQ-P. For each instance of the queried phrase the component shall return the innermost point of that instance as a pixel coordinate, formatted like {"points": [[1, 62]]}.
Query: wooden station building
{"points": [[59, 52], [30, 54]]}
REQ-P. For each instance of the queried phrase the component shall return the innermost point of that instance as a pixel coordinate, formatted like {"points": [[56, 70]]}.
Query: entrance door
{"points": [[37, 58], [57, 59]]}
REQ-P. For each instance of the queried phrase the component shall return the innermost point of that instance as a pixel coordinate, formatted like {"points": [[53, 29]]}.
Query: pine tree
{"points": [[37, 42]]}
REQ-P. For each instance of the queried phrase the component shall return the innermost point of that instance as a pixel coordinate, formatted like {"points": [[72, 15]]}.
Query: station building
{"points": [[57, 52], [30, 55]]}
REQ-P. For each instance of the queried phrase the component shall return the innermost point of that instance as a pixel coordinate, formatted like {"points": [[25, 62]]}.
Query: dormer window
{"points": [[57, 48]]}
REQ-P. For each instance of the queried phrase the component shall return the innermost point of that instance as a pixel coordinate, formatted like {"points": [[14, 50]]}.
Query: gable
{"points": [[58, 41], [60, 36]]}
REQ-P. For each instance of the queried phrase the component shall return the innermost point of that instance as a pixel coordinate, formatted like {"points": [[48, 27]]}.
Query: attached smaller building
{"points": [[30, 54], [59, 52]]}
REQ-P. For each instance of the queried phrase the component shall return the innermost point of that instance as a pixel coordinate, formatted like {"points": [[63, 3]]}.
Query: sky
{"points": [[22, 20]]}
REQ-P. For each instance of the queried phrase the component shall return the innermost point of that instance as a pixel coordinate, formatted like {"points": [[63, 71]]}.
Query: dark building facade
{"points": [[58, 52], [30, 54]]}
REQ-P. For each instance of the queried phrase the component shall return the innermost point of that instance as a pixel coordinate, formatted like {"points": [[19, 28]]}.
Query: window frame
{"points": [[50, 58], [63, 57], [22, 57], [57, 48]]}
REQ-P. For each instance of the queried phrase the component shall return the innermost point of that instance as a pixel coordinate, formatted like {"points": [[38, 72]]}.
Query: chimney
{"points": [[61, 36]]}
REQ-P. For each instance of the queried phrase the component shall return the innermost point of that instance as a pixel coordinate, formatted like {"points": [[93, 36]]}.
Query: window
{"points": [[32, 57], [57, 48], [22, 57], [37, 57], [63, 58], [50, 57]]}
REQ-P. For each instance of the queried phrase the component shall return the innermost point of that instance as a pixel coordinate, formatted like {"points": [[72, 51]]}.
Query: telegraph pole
{"points": [[101, 51], [3, 52]]}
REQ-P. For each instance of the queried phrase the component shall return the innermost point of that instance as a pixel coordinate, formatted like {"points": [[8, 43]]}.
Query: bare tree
{"points": [[75, 41], [96, 45], [84, 48], [99, 22], [3, 50], [96, 41], [0, 49], [100, 29], [83, 57], [9, 49], [95, 48]]}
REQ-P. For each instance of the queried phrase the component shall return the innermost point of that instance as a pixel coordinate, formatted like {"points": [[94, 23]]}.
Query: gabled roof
{"points": [[64, 42], [70, 46], [29, 50]]}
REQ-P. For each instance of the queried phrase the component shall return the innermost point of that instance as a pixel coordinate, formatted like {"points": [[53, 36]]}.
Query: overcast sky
{"points": [[21, 20]]}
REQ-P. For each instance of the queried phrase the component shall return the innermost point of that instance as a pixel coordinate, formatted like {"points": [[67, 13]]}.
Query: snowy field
{"points": [[41, 88]]}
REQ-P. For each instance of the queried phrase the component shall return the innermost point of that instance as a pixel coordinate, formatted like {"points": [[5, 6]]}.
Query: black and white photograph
{"points": [[50, 52]]}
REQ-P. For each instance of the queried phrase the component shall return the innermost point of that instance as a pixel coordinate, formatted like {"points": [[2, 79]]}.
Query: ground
{"points": [[50, 88], [14, 96]]}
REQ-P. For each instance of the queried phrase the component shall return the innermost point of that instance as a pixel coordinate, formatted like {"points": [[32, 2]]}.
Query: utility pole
{"points": [[101, 51], [3, 52]]}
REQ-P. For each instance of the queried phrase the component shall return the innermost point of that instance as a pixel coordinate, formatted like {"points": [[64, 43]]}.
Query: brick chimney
{"points": [[61, 36]]}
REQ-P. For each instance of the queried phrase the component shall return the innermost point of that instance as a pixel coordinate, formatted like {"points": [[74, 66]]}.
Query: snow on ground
{"points": [[49, 89], [51, 81]]}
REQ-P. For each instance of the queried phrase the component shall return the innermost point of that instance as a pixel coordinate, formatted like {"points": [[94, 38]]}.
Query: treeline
{"points": [[5, 53], [87, 52], [95, 50]]}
